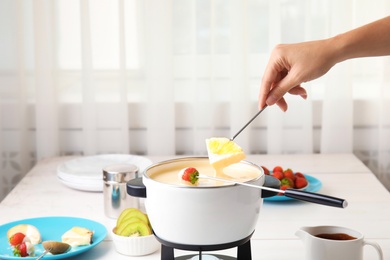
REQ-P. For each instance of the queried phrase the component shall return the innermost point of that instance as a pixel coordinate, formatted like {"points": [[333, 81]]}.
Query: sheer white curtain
{"points": [[158, 77]]}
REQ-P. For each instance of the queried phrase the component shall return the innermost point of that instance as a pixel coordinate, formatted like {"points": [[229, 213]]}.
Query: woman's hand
{"points": [[292, 64], [289, 66]]}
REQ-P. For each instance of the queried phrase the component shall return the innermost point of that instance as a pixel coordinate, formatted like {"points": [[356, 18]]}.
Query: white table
{"points": [[40, 194]]}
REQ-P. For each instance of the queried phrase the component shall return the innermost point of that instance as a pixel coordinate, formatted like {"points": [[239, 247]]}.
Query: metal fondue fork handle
{"points": [[202, 176], [292, 193], [43, 254], [250, 121]]}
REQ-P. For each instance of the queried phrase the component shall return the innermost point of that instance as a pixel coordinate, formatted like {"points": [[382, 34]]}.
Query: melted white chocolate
{"points": [[240, 172]]}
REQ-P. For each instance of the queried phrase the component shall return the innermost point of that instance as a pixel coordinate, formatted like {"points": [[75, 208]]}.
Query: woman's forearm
{"points": [[369, 40]]}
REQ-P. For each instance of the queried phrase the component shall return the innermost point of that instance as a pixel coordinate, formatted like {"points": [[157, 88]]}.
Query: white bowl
{"points": [[135, 246]]}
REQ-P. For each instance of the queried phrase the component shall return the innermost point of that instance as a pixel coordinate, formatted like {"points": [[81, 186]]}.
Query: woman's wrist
{"points": [[338, 49]]}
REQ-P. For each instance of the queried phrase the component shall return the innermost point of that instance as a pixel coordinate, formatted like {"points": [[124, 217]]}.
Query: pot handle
{"points": [[136, 188], [270, 182]]}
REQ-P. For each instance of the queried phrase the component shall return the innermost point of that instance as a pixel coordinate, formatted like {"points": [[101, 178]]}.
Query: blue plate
{"points": [[314, 185], [52, 228]]}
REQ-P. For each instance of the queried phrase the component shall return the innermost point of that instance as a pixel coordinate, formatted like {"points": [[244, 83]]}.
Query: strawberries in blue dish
{"points": [[289, 179]]}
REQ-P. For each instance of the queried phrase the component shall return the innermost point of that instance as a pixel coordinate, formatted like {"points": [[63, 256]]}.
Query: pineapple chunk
{"points": [[223, 152], [77, 236]]}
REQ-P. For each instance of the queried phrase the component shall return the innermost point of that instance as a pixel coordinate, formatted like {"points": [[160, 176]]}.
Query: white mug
{"points": [[331, 246]]}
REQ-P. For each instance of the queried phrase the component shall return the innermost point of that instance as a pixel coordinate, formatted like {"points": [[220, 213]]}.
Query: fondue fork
{"points": [[250, 121], [292, 193], [43, 254]]}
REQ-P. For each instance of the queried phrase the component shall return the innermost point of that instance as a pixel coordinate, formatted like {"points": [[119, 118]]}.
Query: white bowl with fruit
{"points": [[133, 234]]}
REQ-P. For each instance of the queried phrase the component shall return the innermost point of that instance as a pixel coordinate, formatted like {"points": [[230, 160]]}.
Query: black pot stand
{"points": [[243, 249]]}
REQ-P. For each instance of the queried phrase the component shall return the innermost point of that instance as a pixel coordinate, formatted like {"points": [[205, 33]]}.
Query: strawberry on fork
{"points": [[189, 174]]}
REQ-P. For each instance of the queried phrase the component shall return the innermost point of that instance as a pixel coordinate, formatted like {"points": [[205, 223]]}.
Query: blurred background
{"points": [[146, 77]]}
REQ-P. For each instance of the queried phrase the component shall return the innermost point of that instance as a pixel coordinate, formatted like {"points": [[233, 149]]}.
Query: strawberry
{"points": [[190, 174], [289, 174], [16, 239], [300, 182], [278, 169], [278, 175], [298, 174], [288, 182], [266, 171], [21, 250]]}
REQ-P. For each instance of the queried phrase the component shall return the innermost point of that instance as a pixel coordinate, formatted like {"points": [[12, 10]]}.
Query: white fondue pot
{"points": [[195, 215]]}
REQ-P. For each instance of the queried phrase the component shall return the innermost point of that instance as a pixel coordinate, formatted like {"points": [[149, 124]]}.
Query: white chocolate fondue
{"points": [[240, 172]]}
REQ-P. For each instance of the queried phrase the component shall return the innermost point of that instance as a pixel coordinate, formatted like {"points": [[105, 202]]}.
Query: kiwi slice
{"points": [[136, 214], [119, 229], [55, 247], [138, 228], [124, 214]]}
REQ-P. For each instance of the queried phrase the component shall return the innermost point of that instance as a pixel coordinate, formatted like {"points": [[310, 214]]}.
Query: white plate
{"points": [[86, 173], [83, 186]]}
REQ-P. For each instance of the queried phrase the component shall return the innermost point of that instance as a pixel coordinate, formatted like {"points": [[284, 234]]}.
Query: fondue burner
{"points": [[243, 250]]}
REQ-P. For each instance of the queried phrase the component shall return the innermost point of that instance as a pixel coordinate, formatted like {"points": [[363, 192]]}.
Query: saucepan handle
{"points": [[136, 188], [316, 198], [270, 182]]}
